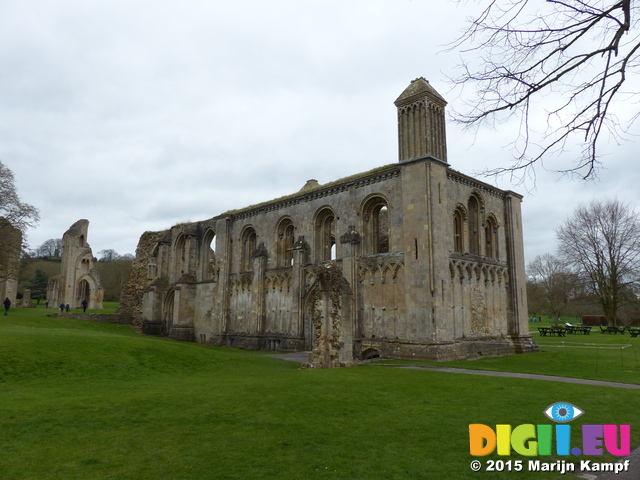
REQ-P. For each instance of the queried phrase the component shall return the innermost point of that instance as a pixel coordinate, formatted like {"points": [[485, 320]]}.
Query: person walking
{"points": [[85, 304], [62, 308], [7, 304]]}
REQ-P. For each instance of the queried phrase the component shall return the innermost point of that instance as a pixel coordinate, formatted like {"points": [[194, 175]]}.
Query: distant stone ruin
{"points": [[10, 245], [78, 279], [26, 300]]}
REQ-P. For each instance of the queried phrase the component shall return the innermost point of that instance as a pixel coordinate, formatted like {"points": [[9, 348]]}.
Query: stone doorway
{"points": [[83, 292]]}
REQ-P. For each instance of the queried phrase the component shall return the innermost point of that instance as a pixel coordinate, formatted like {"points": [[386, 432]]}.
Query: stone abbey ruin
{"points": [[78, 279], [412, 260]]}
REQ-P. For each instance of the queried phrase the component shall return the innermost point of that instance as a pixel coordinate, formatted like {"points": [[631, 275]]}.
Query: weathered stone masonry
{"points": [[10, 247], [78, 279], [410, 260]]}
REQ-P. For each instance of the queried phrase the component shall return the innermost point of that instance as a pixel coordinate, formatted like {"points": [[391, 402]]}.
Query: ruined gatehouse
{"points": [[412, 260]]}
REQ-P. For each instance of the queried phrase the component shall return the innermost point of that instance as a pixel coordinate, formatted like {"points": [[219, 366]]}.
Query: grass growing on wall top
{"points": [[94, 401]]}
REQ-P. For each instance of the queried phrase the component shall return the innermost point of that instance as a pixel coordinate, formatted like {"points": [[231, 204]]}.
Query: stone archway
{"points": [[87, 288], [83, 292]]}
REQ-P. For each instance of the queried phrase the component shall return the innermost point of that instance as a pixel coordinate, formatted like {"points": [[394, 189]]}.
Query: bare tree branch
{"points": [[21, 215], [570, 60]]}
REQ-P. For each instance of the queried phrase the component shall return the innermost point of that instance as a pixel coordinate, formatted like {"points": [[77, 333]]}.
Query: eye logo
{"points": [[562, 412]]}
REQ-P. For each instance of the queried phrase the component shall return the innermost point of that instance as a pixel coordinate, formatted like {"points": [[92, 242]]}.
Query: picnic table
{"points": [[611, 330], [634, 331], [544, 331], [581, 329]]}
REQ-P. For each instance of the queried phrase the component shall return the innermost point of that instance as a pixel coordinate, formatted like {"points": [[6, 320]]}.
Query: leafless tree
{"points": [[15, 218], [108, 255], [602, 242], [568, 59], [21, 215], [553, 283], [50, 248]]}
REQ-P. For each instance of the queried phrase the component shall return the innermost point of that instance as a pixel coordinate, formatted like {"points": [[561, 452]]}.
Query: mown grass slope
{"points": [[96, 401]]}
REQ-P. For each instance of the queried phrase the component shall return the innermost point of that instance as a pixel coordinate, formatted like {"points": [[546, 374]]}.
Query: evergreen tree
{"points": [[38, 285]]}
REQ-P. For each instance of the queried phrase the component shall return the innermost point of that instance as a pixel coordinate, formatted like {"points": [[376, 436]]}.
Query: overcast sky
{"points": [[138, 115]]}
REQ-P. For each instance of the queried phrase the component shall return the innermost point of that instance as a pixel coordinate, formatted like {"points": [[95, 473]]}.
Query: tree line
{"points": [[596, 269]]}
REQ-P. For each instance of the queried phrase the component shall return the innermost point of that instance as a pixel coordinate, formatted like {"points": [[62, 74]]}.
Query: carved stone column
{"points": [[300, 253], [351, 242], [258, 309]]}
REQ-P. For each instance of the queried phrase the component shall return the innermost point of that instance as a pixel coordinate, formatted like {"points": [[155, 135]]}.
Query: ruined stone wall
{"points": [[418, 288], [78, 279], [381, 294], [477, 298], [10, 246], [139, 280], [211, 294]]}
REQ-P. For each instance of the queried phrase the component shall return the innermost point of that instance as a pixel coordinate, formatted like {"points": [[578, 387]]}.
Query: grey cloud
{"points": [[140, 115]]}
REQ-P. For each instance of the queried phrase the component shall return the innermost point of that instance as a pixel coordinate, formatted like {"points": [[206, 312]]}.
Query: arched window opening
{"points": [[209, 263], [181, 256], [458, 232], [381, 216], [491, 238], [249, 239], [289, 240], [325, 238], [286, 239], [376, 228], [474, 225], [161, 255]]}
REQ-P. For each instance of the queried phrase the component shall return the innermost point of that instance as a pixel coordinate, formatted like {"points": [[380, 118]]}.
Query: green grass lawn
{"points": [[94, 401]]}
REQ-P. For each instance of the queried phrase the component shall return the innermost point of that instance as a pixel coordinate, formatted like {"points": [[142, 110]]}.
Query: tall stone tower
{"points": [[421, 125]]}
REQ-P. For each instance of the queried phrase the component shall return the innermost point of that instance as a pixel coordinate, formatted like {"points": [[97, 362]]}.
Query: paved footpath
{"points": [[634, 459], [530, 376]]}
